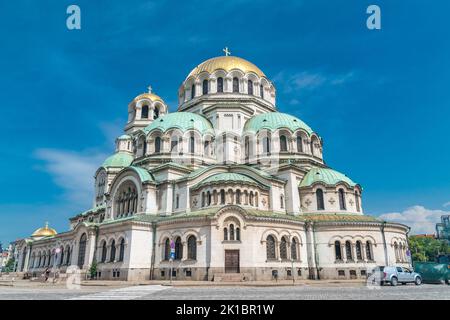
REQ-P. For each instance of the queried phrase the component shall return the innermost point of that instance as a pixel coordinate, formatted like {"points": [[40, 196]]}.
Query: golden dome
{"points": [[226, 63], [147, 95], [44, 232]]}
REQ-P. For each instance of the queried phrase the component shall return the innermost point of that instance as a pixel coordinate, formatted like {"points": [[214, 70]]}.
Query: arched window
{"points": [[144, 112], [369, 254], [319, 198], [247, 147], [157, 145], [238, 196], [251, 198], [167, 249], [112, 255], [283, 143], [121, 249], [281, 202], [104, 251], [205, 87], [206, 148], [270, 248], [178, 249], [232, 232], [266, 145], [358, 251], [222, 196], [250, 87], [299, 144], [337, 250], [69, 252], [283, 248], [192, 248], [208, 198], [238, 234], [261, 91], [294, 249], [61, 256], [225, 234], [82, 250], [174, 144], [220, 84], [193, 91], [341, 199], [235, 85], [348, 250], [203, 199], [396, 252], [192, 144], [156, 113], [358, 206]]}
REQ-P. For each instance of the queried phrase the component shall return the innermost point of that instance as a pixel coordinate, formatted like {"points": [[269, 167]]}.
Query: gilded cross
{"points": [[149, 89], [227, 52]]}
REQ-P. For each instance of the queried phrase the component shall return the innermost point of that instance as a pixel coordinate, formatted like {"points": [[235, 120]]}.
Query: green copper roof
{"points": [[227, 177], [325, 175], [119, 159], [143, 174], [180, 120], [124, 137], [275, 120]]}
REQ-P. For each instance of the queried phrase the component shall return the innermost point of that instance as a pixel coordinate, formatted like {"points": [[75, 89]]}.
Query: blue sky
{"points": [[380, 99]]}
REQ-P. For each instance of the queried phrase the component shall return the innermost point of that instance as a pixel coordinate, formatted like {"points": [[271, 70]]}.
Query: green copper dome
{"points": [[325, 175], [275, 120], [225, 177], [119, 159], [124, 137], [180, 120]]}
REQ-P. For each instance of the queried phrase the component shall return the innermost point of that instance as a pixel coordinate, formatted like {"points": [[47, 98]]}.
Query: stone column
{"points": [[343, 253]]}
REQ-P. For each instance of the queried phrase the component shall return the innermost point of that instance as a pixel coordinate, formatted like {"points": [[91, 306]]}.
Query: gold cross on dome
{"points": [[227, 52], [149, 89]]}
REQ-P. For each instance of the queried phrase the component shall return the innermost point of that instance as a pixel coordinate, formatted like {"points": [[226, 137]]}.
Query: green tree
{"points": [[9, 267], [427, 249], [93, 269]]}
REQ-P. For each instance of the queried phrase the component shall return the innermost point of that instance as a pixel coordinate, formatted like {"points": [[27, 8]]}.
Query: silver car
{"points": [[395, 275]]}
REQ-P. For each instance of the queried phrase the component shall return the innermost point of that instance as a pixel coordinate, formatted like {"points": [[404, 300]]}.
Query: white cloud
{"points": [[72, 171], [307, 80], [420, 219], [447, 204]]}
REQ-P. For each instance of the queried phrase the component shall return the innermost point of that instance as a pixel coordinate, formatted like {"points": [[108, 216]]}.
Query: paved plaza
{"points": [[347, 291]]}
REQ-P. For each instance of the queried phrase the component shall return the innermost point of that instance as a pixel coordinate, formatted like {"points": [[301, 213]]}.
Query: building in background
{"points": [[443, 228]]}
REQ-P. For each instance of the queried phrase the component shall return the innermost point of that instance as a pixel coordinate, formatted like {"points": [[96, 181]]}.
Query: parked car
{"points": [[395, 275]]}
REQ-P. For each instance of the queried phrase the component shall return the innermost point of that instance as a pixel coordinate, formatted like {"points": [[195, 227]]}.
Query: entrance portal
{"points": [[231, 261]]}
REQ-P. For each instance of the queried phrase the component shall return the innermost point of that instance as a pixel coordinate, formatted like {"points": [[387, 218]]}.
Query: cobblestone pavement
{"points": [[314, 292]]}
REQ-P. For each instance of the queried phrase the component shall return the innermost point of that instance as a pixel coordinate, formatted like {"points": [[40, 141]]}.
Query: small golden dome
{"points": [[44, 232], [226, 63], [147, 95]]}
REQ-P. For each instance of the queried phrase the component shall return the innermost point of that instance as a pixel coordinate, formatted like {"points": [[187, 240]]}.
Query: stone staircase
{"points": [[231, 277]]}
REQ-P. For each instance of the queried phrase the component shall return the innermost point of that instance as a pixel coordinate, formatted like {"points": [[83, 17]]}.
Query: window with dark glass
{"points": [[121, 249], [192, 247], [250, 87], [341, 199], [225, 234], [337, 250], [235, 84], [167, 249], [112, 255], [358, 250], [156, 113], [104, 250], [319, 198], [266, 145], [231, 232], [178, 249], [192, 144], [369, 255], [144, 112], [261, 91], [222, 196], [193, 91], [299, 144], [157, 145], [82, 250], [283, 143], [283, 248], [270, 247], [348, 250], [219, 84], [238, 234], [294, 249], [205, 87]]}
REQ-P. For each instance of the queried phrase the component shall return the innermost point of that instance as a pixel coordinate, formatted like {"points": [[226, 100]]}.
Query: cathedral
{"points": [[225, 189]]}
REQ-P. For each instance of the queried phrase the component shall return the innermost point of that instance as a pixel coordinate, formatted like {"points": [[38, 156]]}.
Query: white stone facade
{"points": [[235, 187]]}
